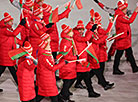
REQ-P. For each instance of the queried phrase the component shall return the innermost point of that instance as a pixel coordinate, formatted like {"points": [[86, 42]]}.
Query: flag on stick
{"points": [[54, 16], [17, 53]]}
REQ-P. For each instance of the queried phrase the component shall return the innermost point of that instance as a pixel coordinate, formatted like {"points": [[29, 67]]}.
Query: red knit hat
{"points": [[66, 29], [28, 47], [7, 17], [97, 17], [47, 7], [44, 36], [121, 5], [42, 44], [29, 3], [80, 25], [37, 11]]}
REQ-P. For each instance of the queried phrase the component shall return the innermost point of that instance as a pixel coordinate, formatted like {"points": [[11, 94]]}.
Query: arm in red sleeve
{"points": [[64, 14], [29, 64], [123, 19], [18, 41], [37, 30], [15, 32], [52, 67], [102, 31], [98, 41], [87, 37]]}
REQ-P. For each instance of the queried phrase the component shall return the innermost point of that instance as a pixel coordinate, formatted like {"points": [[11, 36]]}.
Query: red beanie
{"points": [[7, 17], [122, 6], [80, 25], [42, 44], [97, 17], [66, 29], [46, 7], [37, 11], [44, 36], [29, 3], [28, 47]]}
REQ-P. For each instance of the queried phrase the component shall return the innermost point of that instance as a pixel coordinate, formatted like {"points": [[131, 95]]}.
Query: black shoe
{"points": [[135, 70], [109, 86], [94, 95], [61, 99], [118, 72], [80, 86], [70, 93], [1, 90]]}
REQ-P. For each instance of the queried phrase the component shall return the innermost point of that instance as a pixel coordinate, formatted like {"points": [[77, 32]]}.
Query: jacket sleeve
{"points": [[15, 32], [52, 67], [102, 31], [98, 41], [123, 19], [37, 30], [87, 37], [15, 3], [29, 64], [18, 41], [64, 14]]}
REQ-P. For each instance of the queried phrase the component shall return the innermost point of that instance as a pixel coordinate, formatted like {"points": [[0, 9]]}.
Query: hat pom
{"points": [[63, 26], [6, 14], [44, 5], [80, 22]]}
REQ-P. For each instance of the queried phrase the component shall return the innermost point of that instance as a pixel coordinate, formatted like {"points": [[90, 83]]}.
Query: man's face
{"points": [[10, 22], [81, 31], [125, 10]]}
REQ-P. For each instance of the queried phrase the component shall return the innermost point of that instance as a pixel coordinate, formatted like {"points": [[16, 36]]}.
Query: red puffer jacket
{"points": [[36, 29], [95, 43], [67, 71], [123, 25], [46, 74], [81, 44], [25, 76], [103, 45], [53, 31], [27, 14], [7, 43]]}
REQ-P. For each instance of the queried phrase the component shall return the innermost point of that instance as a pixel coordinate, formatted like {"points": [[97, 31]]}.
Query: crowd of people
{"points": [[82, 52]]}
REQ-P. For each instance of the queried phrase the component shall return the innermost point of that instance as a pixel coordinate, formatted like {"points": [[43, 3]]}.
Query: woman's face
{"points": [[10, 22], [70, 34], [40, 3], [40, 15]]}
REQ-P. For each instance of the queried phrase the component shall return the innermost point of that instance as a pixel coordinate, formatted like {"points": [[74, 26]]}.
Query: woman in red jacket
{"points": [[37, 27], [83, 70], [46, 71], [25, 76], [97, 39], [67, 72], [123, 42], [7, 43], [27, 14], [53, 31]]}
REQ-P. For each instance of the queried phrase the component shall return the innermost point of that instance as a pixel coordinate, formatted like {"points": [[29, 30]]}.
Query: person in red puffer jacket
{"points": [[8, 42], [46, 71], [123, 42], [25, 75], [27, 14], [69, 52], [53, 31], [83, 70], [99, 37], [37, 27]]}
